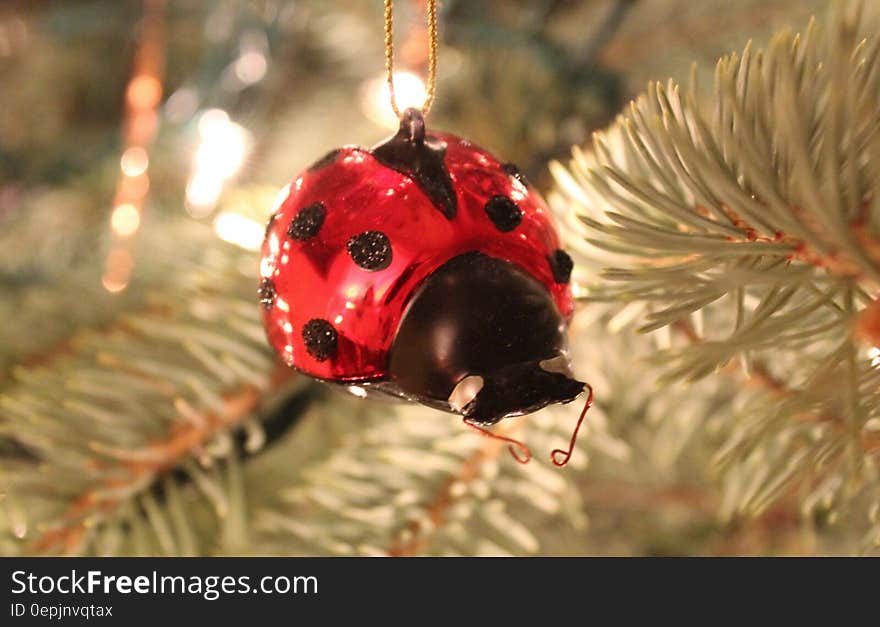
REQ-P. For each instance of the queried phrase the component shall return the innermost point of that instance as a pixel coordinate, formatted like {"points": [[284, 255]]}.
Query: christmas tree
{"points": [[724, 228]]}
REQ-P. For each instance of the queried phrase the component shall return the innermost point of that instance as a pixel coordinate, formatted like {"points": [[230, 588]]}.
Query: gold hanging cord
{"points": [[432, 55]]}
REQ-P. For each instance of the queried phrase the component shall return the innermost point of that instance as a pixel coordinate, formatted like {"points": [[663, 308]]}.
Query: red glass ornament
{"points": [[317, 279], [358, 233]]}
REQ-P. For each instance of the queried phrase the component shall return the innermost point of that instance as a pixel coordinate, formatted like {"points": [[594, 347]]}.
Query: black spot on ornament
{"points": [[307, 222], [561, 265], [320, 339], [266, 293], [504, 213], [371, 250]]}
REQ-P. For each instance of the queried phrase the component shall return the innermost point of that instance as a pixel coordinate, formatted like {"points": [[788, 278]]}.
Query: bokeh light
{"points": [[239, 230], [376, 97], [134, 161], [220, 154], [125, 220], [144, 92]]}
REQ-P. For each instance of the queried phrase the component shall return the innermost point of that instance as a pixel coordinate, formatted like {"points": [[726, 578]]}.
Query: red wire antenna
{"points": [[514, 444], [567, 454]]}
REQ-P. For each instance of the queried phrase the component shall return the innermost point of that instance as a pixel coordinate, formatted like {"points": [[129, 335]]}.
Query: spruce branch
{"points": [[746, 220], [122, 416], [412, 481], [130, 470], [713, 188], [416, 537], [100, 428]]}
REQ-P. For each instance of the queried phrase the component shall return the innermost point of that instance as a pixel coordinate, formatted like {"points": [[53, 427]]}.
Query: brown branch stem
{"points": [[184, 439], [414, 540], [836, 262]]}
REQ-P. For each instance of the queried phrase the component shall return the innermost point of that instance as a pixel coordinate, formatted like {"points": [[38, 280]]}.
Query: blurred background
{"points": [[141, 146]]}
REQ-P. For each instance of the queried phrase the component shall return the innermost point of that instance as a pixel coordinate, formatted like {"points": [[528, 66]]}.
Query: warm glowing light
{"points": [[376, 97], [125, 220], [251, 67], [134, 187], [144, 92], [112, 285], [118, 270], [338, 319], [120, 259], [202, 193], [134, 161], [218, 157], [142, 127], [409, 89], [222, 149], [139, 126], [239, 230], [211, 120]]}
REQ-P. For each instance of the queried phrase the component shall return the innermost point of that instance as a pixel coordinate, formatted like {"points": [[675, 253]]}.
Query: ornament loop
{"points": [[412, 125]]}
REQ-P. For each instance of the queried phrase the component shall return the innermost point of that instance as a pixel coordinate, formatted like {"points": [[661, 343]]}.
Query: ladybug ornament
{"points": [[425, 269]]}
